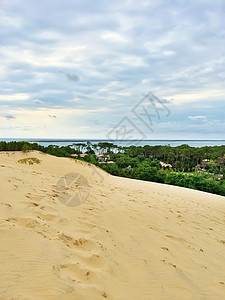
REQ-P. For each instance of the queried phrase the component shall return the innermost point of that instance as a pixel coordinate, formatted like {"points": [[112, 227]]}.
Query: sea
{"points": [[122, 143]]}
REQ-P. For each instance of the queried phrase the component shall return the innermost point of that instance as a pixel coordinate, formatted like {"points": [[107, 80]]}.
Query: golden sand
{"points": [[128, 240]]}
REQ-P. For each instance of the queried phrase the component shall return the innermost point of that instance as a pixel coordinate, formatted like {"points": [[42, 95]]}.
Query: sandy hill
{"points": [[70, 231]]}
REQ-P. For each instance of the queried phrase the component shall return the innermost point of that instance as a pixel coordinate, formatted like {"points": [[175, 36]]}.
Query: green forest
{"points": [[191, 167]]}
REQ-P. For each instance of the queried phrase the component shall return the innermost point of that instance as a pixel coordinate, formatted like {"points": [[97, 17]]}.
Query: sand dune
{"points": [[127, 240]]}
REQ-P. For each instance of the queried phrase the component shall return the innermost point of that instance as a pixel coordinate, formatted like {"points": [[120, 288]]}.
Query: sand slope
{"points": [[128, 240]]}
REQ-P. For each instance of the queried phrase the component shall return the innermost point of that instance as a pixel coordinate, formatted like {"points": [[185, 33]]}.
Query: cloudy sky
{"points": [[80, 68]]}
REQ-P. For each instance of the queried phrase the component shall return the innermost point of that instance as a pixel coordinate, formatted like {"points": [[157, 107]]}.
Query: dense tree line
{"points": [[64, 151], [144, 162]]}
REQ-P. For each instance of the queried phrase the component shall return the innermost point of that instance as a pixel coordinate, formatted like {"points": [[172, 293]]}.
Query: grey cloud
{"points": [[165, 101], [71, 76], [9, 116]]}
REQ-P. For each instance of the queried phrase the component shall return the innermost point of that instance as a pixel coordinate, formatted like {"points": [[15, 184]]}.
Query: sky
{"points": [[112, 69]]}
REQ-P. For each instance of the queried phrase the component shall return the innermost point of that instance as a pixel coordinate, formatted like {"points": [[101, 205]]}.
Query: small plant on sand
{"points": [[26, 148], [29, 161]]}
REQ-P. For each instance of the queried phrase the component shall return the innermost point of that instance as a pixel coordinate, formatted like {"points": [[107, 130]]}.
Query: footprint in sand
{"points": [[222, 241], [165, 248], [6, 204], [84, 244]]}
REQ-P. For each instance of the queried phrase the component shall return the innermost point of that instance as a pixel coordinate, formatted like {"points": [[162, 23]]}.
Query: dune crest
{"points": [[68, 231]]}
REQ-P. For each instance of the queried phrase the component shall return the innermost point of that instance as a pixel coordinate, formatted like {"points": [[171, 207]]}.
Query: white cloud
{"points": [[11, 22], [198, 96], [114, 37], [37, 101], [169, 53], [15, 97], [197, 118]]}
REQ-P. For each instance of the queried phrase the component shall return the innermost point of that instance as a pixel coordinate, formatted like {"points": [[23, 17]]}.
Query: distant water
{"points": [[173, 143]]}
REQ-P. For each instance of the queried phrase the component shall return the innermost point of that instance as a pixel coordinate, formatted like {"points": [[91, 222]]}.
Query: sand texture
{"points": [[128, 240]]}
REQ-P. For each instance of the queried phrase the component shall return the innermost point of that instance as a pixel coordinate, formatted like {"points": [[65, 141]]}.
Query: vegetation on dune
{"points": [[29, 160], [196, 168]]}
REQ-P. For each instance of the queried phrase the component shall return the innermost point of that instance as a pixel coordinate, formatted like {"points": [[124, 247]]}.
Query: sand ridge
{"points": [[127, 240]]}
